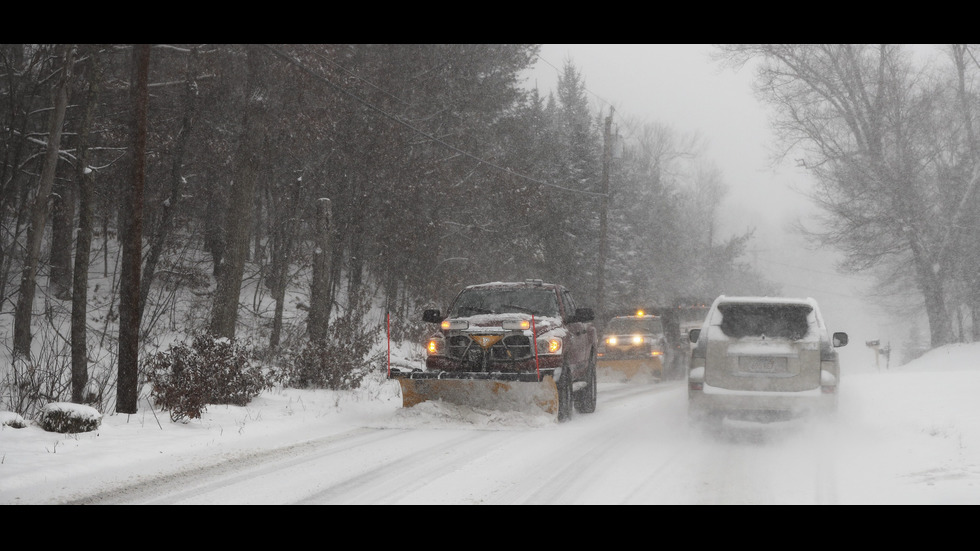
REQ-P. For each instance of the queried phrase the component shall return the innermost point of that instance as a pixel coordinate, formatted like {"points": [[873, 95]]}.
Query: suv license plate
{"points": [[762, 364]]}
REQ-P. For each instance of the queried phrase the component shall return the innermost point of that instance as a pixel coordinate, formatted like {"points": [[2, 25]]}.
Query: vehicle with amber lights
{"points": [[509, 345], [762, 359], [633, 345]]}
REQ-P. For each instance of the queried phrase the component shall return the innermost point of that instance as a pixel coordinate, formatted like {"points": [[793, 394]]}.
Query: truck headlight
{"points": [[516, 324], [549, 345]]}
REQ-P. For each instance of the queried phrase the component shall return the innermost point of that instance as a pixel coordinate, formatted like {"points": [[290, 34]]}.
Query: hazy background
{"points": [[680, 86]]}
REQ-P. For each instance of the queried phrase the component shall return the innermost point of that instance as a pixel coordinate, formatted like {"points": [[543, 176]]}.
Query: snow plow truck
{"points": [[508, 346], [633, 346], [652, 340]]}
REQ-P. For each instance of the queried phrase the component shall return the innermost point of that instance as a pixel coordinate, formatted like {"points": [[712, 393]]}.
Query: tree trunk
{"points": [[970, 206], [79, 303], [320, 297], [14, 184], [940, 327], [83, 245], [278, 276], [355, 260], [975, 313], [282, 237], [224, 314], [257, 251], [279, 294], [214, 234], [132, 239], [62, 223], [39, 210]]}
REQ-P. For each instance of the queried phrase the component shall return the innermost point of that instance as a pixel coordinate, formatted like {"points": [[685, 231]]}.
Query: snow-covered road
{"points": [[637, 449], [905, 436]]}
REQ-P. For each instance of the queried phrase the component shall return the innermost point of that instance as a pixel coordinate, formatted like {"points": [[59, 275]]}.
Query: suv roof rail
{"points": [[534, 281]]}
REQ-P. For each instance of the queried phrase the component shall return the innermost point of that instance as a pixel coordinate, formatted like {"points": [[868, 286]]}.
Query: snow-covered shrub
{"points": [[11, 419], [66, 417], [338, 362], [184, 379]]}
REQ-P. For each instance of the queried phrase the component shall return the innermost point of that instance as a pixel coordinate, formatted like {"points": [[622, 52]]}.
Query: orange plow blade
{"points": [[631, 369], [483, 393]]}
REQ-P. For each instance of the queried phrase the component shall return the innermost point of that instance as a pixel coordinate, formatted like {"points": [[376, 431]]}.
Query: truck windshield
{"points": [[631, 326], [537, 302]]}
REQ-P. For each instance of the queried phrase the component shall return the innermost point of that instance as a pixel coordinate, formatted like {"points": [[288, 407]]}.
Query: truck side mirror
{"points": [[693, 335], [432, 316], [840, 339], [583, 314]]}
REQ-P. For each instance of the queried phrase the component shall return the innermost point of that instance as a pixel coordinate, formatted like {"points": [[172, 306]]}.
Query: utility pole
{"points": [[603, 225]]}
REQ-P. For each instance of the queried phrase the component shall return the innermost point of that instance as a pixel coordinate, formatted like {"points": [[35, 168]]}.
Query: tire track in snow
{"points": [[413, 478], [192, 480], [603, 452]]}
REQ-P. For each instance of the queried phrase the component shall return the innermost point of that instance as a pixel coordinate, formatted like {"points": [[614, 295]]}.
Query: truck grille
{"points": [[509, 349], [624, 352]]}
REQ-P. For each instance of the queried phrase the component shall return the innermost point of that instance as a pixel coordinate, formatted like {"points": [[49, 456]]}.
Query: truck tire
{"points": [[566, 395], [585, 400]]}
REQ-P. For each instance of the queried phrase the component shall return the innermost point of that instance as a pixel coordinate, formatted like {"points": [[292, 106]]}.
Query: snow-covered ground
{"points": [[906, 435]]}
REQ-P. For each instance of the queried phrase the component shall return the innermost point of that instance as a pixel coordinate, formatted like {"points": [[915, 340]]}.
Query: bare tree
{"points": [[224, 313], [861, 119], [966, 221], [164, 223], [83, 243], [39, 209]]}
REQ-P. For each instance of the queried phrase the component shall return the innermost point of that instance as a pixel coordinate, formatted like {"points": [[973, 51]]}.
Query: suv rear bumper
{"points": [[759, 405]]}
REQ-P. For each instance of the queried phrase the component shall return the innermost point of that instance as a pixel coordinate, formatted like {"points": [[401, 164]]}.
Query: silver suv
{"points": [[762, 359]]}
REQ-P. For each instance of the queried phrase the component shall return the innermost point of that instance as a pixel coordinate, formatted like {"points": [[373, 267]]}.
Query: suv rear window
{"points": [[786, 321]]}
